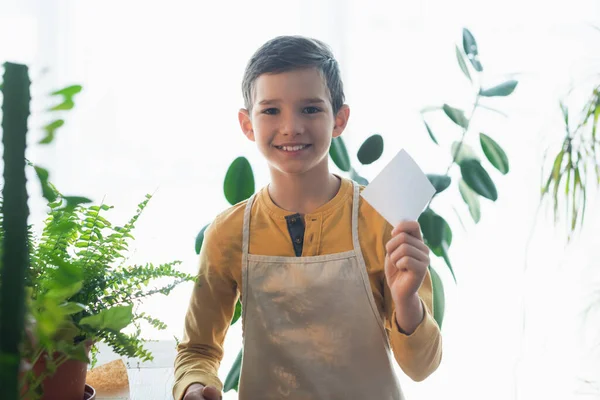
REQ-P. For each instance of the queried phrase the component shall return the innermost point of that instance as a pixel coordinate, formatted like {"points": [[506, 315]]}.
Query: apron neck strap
{"points": [[355, 209], [246, 226]]}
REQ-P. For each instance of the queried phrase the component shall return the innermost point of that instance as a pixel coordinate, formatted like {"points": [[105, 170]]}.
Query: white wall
{"points": [[158, 115]]}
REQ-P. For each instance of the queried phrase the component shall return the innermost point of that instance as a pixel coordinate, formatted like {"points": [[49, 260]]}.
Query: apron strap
{"points": [[355, 207], [245, 247], [246, 228]]}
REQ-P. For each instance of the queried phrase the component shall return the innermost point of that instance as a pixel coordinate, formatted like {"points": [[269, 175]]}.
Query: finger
{"points": [[403, 237], [410, 264], [211, 393], [411, 227], [406, 250]]}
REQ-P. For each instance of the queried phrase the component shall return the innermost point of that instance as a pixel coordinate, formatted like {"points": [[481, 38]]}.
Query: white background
{"points": [[158, 115]]}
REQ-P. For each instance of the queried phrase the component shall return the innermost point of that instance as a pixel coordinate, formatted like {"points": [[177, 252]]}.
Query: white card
{"points": [[401, 191]]}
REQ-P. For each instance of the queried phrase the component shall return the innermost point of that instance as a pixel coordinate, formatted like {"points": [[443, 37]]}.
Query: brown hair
{"points": [[287, 53]]}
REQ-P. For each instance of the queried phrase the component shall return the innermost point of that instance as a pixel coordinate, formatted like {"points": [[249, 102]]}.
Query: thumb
{"points": [[211, 393]]}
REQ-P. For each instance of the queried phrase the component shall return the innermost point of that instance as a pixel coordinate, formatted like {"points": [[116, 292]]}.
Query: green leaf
{"points": [[61, 293], [595, 120], [446, 258], [114, 318], [79, 353], [437, 235], [435, 230], [471, 199], [71, 308], [462, 64], [76, 352], [339, 154], [465, 152], [237, 313], [503, 89], [67, 94], [65, 105], [565, 111], [67, 331], [69, 91], [370, 150], [47, 191], [50, 131], [66, 274], [239, 181], [457, 116], [357, 178], [233, 377], [439, 182], [200, 239], [478, 179], [74, 201], [494, 153], [430, 133], [471, 50], [439, 299], [555, 175]]}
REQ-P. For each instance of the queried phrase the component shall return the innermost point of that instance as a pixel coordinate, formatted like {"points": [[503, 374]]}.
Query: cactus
{"points": [[15, 257]]}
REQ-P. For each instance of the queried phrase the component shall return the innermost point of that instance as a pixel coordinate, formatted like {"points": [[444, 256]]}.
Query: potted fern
{"points": [[79, 275], [71, 286]]}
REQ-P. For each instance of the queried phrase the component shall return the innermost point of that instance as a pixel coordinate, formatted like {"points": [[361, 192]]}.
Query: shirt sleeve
{"points": [[418, 354], [207, 320]]}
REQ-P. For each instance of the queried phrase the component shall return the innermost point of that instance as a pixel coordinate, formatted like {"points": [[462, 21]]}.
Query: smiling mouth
{"points": [[297, 147]]}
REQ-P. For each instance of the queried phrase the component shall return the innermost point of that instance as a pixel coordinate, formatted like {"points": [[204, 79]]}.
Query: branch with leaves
{"points": [[576, 163], [474, 181]]}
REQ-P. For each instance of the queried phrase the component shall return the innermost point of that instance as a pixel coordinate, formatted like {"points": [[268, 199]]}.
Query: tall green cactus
{"points": [[15, 257]]}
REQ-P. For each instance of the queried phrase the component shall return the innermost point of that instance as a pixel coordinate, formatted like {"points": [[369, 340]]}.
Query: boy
{"points": [[327, 285]]}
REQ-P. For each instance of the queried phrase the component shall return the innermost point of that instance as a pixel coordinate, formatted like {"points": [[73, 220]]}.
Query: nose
{"points": [[291, 124]]}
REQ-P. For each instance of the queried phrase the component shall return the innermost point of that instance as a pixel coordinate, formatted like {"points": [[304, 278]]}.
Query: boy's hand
{"points": [[197, 391], [406, 264]]}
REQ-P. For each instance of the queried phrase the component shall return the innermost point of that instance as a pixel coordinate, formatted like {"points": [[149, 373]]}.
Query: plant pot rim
{"points": [[89, 392]]}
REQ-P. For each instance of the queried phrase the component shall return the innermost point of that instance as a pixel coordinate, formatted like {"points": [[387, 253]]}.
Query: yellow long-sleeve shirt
{"points": [[327, 231]]}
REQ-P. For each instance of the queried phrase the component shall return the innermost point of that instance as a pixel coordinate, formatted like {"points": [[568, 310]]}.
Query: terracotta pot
{"points": [[68, 382]]}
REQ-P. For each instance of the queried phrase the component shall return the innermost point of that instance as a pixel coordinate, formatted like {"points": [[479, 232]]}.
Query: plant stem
{"points": [[462, 138], [38, 381], [464, 133]]}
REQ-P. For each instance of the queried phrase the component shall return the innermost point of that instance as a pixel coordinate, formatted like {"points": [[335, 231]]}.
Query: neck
{"points": [[303, 193]]}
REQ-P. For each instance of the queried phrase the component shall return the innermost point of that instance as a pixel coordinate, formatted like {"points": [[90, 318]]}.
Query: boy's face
{"points": [[292, 120]]}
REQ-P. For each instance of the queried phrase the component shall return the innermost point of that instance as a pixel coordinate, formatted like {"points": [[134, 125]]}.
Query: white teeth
{"points": [[292, 148]]}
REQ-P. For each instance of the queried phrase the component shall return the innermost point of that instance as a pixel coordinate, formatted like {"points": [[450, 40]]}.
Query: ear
{"points": [[246, 123], [341, 120]]}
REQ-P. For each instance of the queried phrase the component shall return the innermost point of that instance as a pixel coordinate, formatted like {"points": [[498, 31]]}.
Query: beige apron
{"points": [[311, 327]]}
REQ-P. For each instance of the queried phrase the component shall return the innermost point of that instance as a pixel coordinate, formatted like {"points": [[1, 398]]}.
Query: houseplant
{"points": [[574, 170], [71, 286], [99, 288]]}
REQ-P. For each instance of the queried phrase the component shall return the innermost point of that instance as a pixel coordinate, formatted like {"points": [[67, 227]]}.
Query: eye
{"points": [[270, 111], [311, 110]]}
